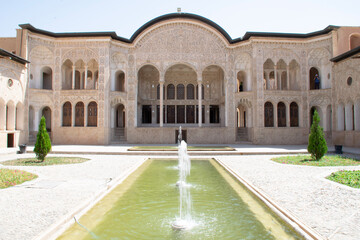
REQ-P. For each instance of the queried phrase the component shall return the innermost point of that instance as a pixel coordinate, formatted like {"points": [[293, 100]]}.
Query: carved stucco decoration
{"points": [[318, 56], [320, 100], [243, 61], [181, 42], [41, 55], [119, 61], [245, 102], [75, 54], [117, 100]]}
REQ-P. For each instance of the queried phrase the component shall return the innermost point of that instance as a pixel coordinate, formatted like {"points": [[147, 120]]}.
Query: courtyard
{"points": [[38, 208]]}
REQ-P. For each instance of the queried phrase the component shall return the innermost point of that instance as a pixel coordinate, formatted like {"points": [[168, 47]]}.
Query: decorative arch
{"points": [[313, 75], [269, 75], [119, 81], [148, 78], [67, 74]]}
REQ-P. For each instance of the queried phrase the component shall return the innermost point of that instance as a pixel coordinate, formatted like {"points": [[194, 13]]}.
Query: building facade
{"points": [[184, 70]]}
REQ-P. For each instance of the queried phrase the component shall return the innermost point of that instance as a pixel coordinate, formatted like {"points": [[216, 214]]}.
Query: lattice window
{"points": [[79, 114], [294, 115], [67, 113], [170, 91], [281, 114], [92, 114], [180, 91], [190, 91], [269, 114]]}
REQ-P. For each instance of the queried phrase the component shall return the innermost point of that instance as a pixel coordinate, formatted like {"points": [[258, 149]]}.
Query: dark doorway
{"points": [[183, 134], [146, 114], [10, 140]]}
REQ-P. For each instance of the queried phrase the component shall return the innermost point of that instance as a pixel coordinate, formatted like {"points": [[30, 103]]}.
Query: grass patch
{"points": [[48, 161], [349, 178], [12, 177], [327, 160], [175, 148]]}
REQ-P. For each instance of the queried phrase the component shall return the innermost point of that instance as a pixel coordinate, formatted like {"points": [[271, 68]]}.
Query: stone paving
{"points": [[27, 210]]}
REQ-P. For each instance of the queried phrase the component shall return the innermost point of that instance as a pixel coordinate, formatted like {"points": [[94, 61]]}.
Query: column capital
{"points": [[199, 80]]}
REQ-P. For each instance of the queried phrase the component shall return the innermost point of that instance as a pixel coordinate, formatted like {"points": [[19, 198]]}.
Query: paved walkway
{"points": [[30, 209], [240, 149]]}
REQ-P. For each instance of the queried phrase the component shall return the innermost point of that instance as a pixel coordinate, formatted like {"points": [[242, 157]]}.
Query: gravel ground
{"points": [[29, 209]]}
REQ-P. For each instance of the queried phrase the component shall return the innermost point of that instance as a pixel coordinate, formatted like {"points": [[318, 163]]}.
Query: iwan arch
{"points": [[183, 69]]}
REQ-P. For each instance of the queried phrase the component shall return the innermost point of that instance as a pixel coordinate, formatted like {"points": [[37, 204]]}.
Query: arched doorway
{"points": [[46, 112], [313, 74], [119, 123], [242, 123]]}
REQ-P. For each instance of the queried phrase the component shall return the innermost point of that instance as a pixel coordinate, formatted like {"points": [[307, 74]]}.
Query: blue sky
{"points": [[125, 17]]}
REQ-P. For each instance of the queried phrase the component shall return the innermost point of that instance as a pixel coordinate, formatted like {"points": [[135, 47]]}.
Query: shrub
{"points": [[317, 144], [43, 143]]}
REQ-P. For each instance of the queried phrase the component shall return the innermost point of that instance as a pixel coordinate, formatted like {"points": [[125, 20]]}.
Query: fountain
{"points": [[184, 220]]}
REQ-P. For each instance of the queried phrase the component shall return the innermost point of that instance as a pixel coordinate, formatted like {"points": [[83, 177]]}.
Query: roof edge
{"points": [[346, 55], [169, 16], [13, 57]]}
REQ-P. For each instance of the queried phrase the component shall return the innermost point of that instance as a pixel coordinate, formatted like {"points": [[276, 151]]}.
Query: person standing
{"points": [[317, 82]]}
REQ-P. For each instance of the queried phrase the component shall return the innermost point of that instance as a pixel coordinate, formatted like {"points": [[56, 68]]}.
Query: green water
{"points": [[146, 204]]}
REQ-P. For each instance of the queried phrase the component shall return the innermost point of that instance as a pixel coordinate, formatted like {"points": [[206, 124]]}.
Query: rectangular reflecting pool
{"points": [[147, 202]]}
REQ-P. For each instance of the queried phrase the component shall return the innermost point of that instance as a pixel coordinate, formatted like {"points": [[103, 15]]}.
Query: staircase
{"points": [[242, 134], [119, 135]]}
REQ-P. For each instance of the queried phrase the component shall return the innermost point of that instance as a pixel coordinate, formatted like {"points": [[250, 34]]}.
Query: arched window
{"points": [[67, 113], [202, 91], [341, 117], [190, 91], [354, 41], [241, 76], [92, 114], [294, 115], [170, 91], [79, 114], [281, 112], [46, 112], [180, 91], [314, 77], [269, 114], [120, 81], [46, 78]]}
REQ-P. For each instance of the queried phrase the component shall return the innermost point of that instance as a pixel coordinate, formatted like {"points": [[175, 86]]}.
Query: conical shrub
{"points": [[317, 144], [43, 143]]}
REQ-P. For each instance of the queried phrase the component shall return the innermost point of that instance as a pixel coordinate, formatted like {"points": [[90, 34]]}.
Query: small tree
{"points": [[43, 143], [317, 144]]}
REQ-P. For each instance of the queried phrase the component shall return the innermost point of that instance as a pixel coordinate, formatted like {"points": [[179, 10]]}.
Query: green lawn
{"points": [[175, 148], [46, 162], [327, 160], [12, 177], [349, 178]]}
